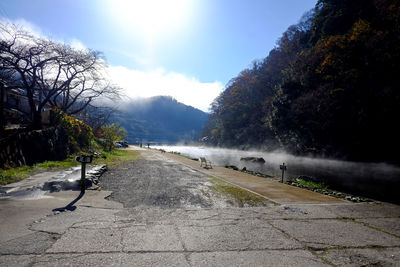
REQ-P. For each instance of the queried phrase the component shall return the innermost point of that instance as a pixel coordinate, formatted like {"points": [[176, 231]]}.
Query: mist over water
{"points": [[375, 180]]}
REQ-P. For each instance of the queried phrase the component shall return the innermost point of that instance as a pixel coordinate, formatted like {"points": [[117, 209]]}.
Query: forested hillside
{"points": [[160, 119], [330, 87]]}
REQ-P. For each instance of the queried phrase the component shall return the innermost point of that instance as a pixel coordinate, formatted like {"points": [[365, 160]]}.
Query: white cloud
{"points": [[137, 83], [78, 45], [21, 24], [187, 90]]}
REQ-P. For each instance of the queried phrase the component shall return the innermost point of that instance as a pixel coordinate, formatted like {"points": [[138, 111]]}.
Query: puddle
{"points": [[36, 186], [30, 194]]}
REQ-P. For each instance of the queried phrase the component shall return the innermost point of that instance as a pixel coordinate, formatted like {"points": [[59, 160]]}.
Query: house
{"points": [[16, 108]]}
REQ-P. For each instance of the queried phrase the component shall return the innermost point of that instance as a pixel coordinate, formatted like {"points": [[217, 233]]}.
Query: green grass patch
{"points": [[312, 184], [16, 174], [240, 196], [113, 159], [51, 165], [117, 157]]}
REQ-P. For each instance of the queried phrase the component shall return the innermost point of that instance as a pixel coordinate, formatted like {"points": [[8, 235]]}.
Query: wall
{"points": [[30, 147]]}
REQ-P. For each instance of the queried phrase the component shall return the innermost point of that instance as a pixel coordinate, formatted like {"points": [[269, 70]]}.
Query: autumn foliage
{"points": [[330, 87], [79, 134]]}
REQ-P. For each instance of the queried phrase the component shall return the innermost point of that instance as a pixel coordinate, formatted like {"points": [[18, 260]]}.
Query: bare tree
{"points": [[97, 116], [4, 76], [82, 79], [8, 82], [51, 73]]}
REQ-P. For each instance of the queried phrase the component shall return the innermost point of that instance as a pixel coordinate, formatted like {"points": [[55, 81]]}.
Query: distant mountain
{"points": [[160, 119]]}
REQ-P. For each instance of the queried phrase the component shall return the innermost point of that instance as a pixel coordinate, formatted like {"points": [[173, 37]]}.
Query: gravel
{"points": [[155, 183]]}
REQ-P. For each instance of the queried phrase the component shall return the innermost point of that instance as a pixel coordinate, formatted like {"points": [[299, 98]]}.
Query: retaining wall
{"points": [[30, 147]]}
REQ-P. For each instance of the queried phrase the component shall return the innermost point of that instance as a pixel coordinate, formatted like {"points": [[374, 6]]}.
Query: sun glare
{"points": [[151, 18]]}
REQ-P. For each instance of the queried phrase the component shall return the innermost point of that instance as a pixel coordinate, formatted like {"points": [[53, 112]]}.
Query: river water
{"points": [[376, 180]]}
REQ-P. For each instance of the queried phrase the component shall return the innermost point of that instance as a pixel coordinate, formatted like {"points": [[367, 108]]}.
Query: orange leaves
{"points": [[336, 49], [360, 31], [78, 132]]}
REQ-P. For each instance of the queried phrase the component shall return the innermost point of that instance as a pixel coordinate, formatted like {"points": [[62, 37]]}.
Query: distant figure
{"points": [[148, 145]]}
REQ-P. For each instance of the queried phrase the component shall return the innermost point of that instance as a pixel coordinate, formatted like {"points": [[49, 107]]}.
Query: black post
{"points": [[283, 168], [83, 174]]}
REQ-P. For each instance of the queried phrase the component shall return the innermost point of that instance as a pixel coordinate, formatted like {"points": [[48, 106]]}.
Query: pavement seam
{"points": [[185, 250], [15, 238], [50, 261], [60, 236], [89, 206], [18, 254], [327, 218], [320, 256], [46, 232], [345, 219], [325, 260], [44, 252], [200, 251], [121, 240], [174, 251], [375, 228], [304, 244], [325, 251]]}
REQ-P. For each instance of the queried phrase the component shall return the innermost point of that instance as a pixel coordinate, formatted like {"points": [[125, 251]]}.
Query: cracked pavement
{"points": [[147, 233]]}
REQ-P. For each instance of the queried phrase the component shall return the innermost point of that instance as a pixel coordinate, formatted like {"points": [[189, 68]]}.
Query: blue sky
{"points": [[188, 49]]}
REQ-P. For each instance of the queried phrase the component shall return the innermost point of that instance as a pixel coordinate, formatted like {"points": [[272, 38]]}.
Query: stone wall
{"points": [[30, 147]]}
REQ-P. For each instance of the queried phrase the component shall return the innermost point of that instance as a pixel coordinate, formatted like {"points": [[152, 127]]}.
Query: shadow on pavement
{"points": [[70, 206]]}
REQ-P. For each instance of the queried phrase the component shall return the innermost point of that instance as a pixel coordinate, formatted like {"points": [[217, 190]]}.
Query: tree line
{"points": [[330, 87]]}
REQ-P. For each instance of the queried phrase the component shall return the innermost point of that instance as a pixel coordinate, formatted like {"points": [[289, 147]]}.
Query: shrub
{"points": [[112, 133], [80, 135]]}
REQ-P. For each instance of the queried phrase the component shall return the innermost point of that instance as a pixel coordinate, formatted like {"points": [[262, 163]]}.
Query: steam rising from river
{"points": [[370, 179]]}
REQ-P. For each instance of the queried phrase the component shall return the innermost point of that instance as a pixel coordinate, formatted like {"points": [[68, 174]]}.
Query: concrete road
{"points": [[186, 229], [156, 181]]}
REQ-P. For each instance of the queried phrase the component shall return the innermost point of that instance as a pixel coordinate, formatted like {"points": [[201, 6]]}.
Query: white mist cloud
{"points": [[187, 90]]}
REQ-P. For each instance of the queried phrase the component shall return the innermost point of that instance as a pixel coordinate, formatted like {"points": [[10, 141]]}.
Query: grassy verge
{"points": [[312, 184], [16, 174], [117, 156], [240, 196], [112, 159]]}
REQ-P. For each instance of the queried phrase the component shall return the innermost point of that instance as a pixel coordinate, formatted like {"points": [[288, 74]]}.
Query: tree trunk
{"points": [[37, 120]]}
